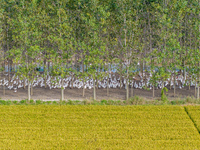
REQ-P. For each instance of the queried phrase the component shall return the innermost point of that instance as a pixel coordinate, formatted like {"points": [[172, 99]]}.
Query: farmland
{"points": [[99, 127]]}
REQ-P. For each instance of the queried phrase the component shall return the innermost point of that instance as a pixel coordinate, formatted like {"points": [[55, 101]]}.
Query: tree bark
{"points": [[83, 79], [31, 89], [94, 88], [62, 90], [131, 90], [29, 92], [4, 89], [107, 86], [195, 88], [127, 89], [153, 92], [24, 83], [174, 83]]}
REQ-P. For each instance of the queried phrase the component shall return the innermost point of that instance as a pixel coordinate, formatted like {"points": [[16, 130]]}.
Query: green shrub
{"points": [[103, 102], [55, 103], [32, 101], [38, 102], [15, 102], [163, 95], [23, 101], [8, 102], [48, 102]]}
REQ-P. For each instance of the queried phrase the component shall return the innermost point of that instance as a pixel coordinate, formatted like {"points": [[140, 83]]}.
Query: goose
{"points": [[111, 85], [89, 87], [15, 89], [135, 85], [10, 87]]}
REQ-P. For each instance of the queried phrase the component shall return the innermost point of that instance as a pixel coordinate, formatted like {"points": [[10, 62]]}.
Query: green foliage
{"points": [[164, 98], [163, 35]]}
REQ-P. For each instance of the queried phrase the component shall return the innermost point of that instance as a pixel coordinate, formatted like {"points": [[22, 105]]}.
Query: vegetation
{"points": [[98, 127], [136, 100], [60, 36]]}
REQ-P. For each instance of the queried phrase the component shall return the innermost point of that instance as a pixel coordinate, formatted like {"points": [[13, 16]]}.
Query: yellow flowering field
{"points": [[194, 113], [97, 127]]}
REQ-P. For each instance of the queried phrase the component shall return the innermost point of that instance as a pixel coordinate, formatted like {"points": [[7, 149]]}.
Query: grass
{"points": [[136, 100], [70, 126]]}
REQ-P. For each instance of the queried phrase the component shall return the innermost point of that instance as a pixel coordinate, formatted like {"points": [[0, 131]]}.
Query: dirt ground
{"points": [[76, 94]]}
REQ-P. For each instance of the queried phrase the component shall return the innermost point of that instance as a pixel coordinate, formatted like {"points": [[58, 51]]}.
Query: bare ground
{"points": [[76, 94]]}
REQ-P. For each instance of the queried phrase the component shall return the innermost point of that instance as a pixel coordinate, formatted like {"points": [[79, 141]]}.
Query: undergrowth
{"points": [[136, 100]]}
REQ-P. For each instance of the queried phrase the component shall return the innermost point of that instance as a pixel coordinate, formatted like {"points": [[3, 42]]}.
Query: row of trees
{"points": [[161, 34]]}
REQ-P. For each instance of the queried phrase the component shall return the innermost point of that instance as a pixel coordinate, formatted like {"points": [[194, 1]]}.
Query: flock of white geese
{"points": [[113, 82]]}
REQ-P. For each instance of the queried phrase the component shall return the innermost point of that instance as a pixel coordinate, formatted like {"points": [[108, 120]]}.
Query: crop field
{"points": [[99, 127]]}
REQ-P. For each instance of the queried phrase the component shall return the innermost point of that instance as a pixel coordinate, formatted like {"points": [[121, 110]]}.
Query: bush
{"points": [[23, 101], [32, 101], [48, 102], [103, 102], [38, 102], [163, 95], [15, 102], [55, 103]]}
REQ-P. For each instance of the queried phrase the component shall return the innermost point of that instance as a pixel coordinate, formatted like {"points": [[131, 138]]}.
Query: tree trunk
{"points": [[29, 92], [170, 84], [4, 89], [94, 88], [120, 80], [107, 86], [71, 83], [127, 90], [44, 73], [31, 89], [9, 71], [153, 92], [24, 83], [83, 80], [174, 83], [131, 90], [83, 88], [62, 89], [195, 89]]}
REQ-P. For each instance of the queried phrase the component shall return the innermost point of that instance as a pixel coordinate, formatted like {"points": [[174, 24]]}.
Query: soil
{"points": [[76, 94]]}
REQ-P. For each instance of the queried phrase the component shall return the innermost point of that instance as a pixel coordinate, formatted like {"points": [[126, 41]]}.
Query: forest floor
{"points": [[76, 94]]}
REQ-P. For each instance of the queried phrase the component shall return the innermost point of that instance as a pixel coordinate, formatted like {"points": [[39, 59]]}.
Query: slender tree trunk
{"points": [[71, 83], [31, 89], [127, 89], [24, 83], [170, 84], [29, 92], [4, 89], [83, 88], [195, 89], [198, 62], [83, 80], [45, 78], [174, 83], [94, 88], [131, 90], [62, 89], [153, 91], [107, 86], [8, 71], [120, 76], [198, 92]]}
